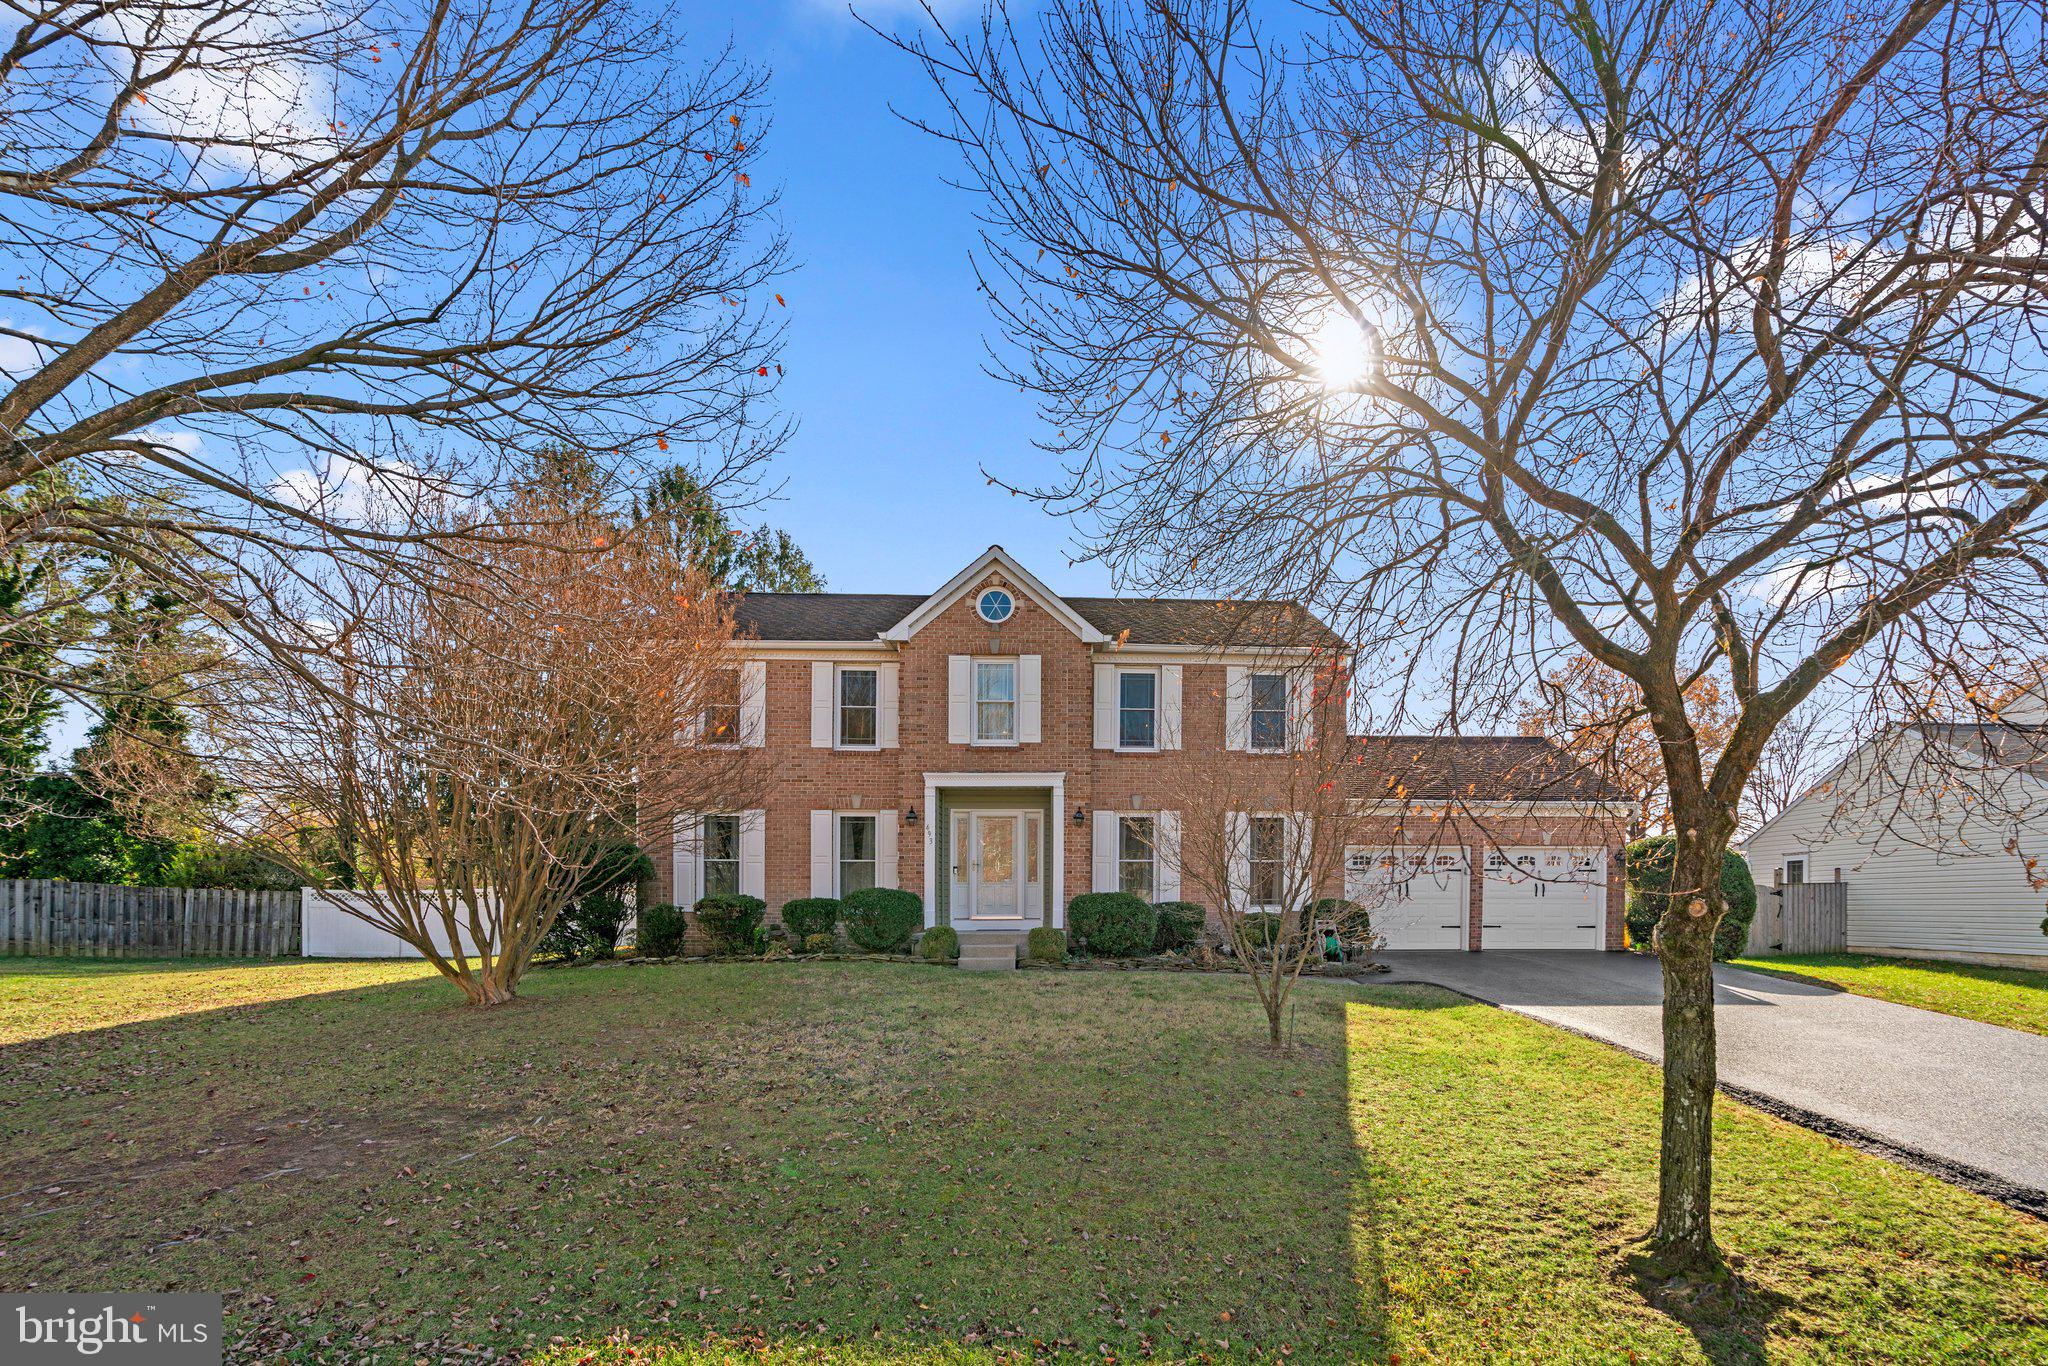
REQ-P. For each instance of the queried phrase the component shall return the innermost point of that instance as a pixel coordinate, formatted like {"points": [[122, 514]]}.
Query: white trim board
{"points": [[995, 557], [1056, 782]]}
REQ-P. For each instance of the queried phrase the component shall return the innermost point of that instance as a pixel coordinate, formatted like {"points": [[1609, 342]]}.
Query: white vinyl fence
{"points": [[332, 931]]}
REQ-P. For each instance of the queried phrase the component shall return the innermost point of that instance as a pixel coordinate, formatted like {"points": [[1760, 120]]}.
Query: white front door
{"points": [[997, 866], [1544, 898], [1413, 899]]}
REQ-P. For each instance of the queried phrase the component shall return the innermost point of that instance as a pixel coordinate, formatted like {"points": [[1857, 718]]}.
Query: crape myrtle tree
{"points": [[275, 262], [466, 753], [1700, 337], [1262, 844]]}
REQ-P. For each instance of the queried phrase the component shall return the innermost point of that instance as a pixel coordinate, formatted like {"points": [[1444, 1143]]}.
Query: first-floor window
{"points": [[721, 855], [1795, 871], [856, 853], [1136, 868], [1266, 852], [722, 707]]}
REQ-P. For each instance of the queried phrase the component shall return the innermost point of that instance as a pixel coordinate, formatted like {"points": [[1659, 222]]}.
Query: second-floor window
{"points": [[857, 702], [1136, 857], [995, 699], [856, 853], [1269, 711], [721, 855], [722, 707], [1266, 854], [1137, 710]]}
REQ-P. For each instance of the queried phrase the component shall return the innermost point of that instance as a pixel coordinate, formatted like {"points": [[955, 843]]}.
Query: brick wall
{"points": [[802, 779]]}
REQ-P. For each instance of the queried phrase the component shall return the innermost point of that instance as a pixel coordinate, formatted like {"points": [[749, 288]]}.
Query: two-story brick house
{"points": [[998, 748]]}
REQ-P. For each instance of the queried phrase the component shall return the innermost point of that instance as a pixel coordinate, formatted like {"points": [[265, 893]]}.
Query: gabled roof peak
{"points": [[994, 558]]}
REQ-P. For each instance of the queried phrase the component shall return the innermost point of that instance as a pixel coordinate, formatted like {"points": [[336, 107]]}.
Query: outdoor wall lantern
{"points": [[910, 814], [1080, 815]]}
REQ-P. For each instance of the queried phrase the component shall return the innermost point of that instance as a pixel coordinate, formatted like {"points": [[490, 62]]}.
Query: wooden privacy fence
{"points": [[101, 920], [1801, 917]]}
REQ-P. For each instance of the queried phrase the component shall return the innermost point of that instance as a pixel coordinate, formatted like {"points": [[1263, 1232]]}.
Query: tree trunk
{"points": [[1683, 1240]]}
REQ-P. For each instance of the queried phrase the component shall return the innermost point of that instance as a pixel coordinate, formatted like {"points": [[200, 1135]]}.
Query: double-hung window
{"points": [[995, 700], [858, 699], [721, 720], [856, 853], [1266, 854], [1137, 709], [721, 855], [1137, 868], [1268, 711]]}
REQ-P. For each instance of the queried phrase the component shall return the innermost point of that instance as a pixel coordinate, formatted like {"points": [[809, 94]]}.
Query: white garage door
{"points": [[1415, 898], [1541, 898]]}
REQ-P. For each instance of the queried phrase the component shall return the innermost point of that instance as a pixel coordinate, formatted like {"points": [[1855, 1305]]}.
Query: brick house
{"points": [[997, 749]]}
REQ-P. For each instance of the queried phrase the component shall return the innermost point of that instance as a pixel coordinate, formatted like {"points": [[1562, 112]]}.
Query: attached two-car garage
{"points": [[1530, 898]]}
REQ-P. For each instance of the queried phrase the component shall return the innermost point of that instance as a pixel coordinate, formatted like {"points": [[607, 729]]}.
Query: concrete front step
{"points": [[990, 951]]}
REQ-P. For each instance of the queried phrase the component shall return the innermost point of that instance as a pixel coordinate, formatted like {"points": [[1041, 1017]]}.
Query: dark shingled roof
{"points": [[1487, 768], [1148, 621]]}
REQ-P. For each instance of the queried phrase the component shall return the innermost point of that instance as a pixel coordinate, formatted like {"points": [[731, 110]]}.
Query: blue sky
{"points": [[883, 485]]}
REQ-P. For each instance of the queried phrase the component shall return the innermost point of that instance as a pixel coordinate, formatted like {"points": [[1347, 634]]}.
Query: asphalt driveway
{"points": [[1958, 1092]]}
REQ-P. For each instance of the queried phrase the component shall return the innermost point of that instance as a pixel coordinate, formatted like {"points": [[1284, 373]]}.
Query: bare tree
{"points": [[472, 745], [292, 279], [1699, 337], [1261, 844], [1596, 715]]}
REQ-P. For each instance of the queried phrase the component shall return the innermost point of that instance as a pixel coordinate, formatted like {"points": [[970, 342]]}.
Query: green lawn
{"points": [[2014, 997], [868, 1163]]}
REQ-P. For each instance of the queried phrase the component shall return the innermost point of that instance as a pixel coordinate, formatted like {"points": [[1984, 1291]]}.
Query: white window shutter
{"points": [[959, 702], [1105, 706], [821, 853], [754, 703], [1238, 829], [1237, 707], [888, 709], [1166, 834], [1030, 686], [885, 848], [824, 706], [754, 854], [1105, 851], [683, 863], [1169, 706], [1301, 845], [1301, 723]]}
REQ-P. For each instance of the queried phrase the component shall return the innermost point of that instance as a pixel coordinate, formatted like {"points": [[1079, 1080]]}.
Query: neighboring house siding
{"points": [[1927, 874]]}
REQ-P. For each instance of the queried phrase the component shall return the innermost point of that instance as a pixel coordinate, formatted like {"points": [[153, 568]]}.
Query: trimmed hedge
{"points": [[733, 922], [882, 919], [1180, 925], [661, 931], [940, 944], [1262, 928], [1112, 924], [1647, 865], [1046, 945], [812, 915]]}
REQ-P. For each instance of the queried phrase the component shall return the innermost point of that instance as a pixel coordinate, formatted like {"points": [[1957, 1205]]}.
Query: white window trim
{"points": [[839, 818], [839, 740], [1287, 719], [1119, 861], [974, 668], [1804, 859], [739, 852], [1287, 825], [739, 715], [1158, 708]]}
